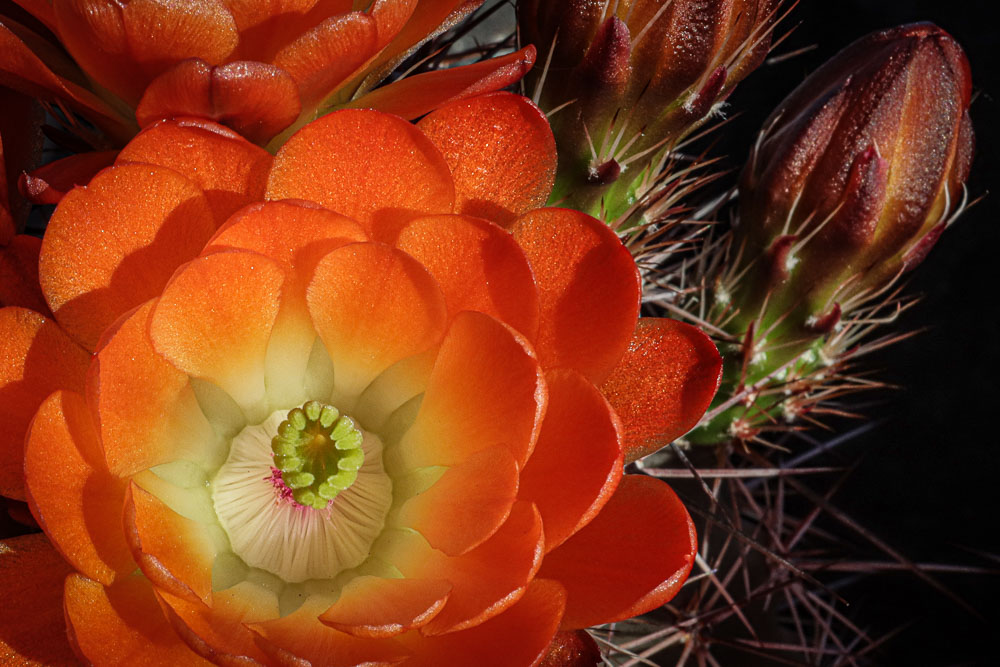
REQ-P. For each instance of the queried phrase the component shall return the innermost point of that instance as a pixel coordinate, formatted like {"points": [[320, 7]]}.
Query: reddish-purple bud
{"points": [[636, 76], [865, 162]]}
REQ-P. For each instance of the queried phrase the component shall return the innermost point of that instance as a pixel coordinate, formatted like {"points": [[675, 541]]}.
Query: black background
{"points": [[928, 477]]}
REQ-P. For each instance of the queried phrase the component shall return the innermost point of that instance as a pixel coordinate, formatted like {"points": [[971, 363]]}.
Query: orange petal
{"points": [[114, 244], [324, 57], [578, 460], [485, 580], [663, 384], [295, 234], [358, 163], [266, 27], [215, 317], [145, 409], [573, 648], [478, 265], [501, 153], [175, 553], [19, 274], [32, 628], [24, 71], [468, 504], [122, 625], [255, 99], [41, 10], [373, 306], [217, 632], [519, 636], [230, 170], [50, 183], [301, 639], [408, 23], [633, 557], [76, 501], [124, 47], [588, 287], [414, 96], [486, 389], [36, 358], [376, 607]]}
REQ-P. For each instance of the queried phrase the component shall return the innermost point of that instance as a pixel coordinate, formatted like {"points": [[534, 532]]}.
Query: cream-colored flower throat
{"points": [[303, 494]]}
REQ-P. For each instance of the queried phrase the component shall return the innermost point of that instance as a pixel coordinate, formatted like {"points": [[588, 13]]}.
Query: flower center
{"points": [[318, 452]]}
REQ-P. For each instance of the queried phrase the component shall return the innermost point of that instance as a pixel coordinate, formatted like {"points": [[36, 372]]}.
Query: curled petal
{"points": [[48, 184], [375, 607], [114, 244], [414, 96], [486, 389], [588, 288], [77, 502], [521, 634], [578, 460], [229, 169], [485, 581], [501, 153], [36, 358], [360, 163], [122, 624], [32, 628], [633, 557], [175, 553], [255, 99], [218, 632], [124, 47], [663, 384], [300, 636]]}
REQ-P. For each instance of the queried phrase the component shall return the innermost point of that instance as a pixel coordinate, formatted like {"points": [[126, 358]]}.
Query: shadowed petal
{"points": [[230, 170], [32, 628], [578, 460], [76, 501], [36, 359], [114, 244], [631, 558], [122, 625]]}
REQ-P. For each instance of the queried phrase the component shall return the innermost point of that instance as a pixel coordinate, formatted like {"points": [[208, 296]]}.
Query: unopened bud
{"points": [[636, 76], [862, 166]]}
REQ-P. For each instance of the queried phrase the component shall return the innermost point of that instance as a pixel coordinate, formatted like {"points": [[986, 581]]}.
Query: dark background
{"points": [[927, 482]]}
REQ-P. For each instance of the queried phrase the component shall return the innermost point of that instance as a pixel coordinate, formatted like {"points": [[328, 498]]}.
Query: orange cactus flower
{"points": [[358, 402], [257, 67]]}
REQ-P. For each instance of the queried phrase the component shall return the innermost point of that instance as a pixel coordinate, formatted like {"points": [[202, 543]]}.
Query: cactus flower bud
{"points": [[636, 76], [858, 171]]}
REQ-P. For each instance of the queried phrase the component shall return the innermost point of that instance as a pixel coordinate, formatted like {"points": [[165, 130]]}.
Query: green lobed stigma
{"points": [[318, 452]]}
